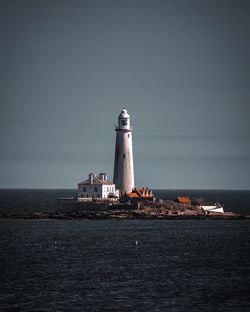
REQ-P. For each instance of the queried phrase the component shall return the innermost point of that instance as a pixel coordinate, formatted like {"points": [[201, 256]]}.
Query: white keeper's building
{"points": [[96, 187]]}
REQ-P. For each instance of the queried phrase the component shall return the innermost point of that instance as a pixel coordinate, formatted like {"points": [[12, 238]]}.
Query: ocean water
{"points": [[123, 265], [83, 265], [35, 200]]}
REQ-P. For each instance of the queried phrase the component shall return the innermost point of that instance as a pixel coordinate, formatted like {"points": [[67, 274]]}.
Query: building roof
{"points": [[96, 180], [183, 200], [140, 192]]}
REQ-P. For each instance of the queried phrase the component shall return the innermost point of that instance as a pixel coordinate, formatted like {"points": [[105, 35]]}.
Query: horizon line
{"points": [[156, 189]]}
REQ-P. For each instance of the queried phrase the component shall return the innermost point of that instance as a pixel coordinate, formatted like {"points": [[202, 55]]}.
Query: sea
{"points": [[123, 265]]}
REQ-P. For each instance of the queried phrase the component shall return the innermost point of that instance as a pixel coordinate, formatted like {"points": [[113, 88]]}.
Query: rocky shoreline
{"points": [[141, 214]]}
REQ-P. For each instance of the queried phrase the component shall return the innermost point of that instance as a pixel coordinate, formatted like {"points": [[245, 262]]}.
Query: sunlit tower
{"points": [[123, 165]]}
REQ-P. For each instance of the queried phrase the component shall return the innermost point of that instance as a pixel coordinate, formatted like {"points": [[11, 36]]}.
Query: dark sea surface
{"points": [[96, 265], [85, 265]]}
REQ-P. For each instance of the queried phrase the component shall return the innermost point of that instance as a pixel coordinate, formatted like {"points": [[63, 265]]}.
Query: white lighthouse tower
{"points": [[124, 167]]}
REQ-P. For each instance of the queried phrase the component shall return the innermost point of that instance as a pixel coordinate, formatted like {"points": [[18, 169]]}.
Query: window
{"points": [[124, 122], [95, 189], [84, 189], [123, 155], [128, 135]]}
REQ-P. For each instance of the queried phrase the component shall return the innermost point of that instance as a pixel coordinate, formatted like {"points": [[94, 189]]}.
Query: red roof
{"points": [[184, 200], [140, 192]]}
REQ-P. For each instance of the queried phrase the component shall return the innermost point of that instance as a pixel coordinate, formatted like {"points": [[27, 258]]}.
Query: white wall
{"points": [[106, 189], [212, 208], [92, 190], [102, 190], [124, 166]]}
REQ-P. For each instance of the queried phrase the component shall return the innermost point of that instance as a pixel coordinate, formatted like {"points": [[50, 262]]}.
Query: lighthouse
{"points": [[123, 165]]}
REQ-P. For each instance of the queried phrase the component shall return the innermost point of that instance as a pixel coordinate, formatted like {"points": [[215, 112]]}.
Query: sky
{"points": [[181, 69]]}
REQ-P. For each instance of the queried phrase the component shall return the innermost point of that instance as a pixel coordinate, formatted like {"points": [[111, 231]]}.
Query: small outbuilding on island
{"points": [[137, 195], [184, 202]]}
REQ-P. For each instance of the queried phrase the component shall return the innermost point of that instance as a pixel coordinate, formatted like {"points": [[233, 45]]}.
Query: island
{"points": [[162, 210]]}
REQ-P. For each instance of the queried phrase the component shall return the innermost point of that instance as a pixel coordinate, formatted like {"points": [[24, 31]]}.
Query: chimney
{"points": [[103, 176], [91, 178]]}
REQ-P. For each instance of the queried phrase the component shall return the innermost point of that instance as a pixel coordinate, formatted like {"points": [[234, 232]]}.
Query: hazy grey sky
{"points": [[180, 67]]}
